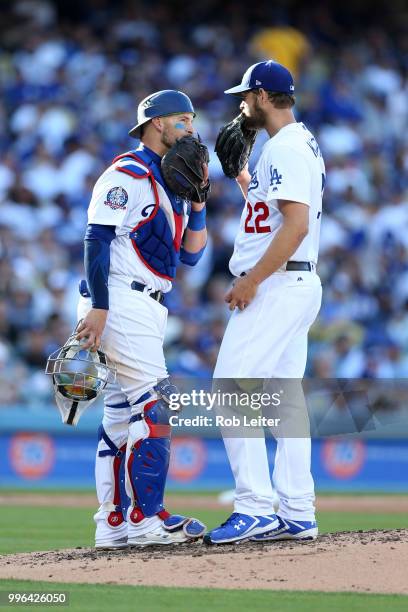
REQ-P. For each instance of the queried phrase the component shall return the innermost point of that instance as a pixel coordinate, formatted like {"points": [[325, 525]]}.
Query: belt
{"points": [[294, 265], [158, 296], [299, 265]]}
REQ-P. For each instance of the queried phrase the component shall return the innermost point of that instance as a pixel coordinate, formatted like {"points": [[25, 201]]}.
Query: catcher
{"points": [[147, 213]]}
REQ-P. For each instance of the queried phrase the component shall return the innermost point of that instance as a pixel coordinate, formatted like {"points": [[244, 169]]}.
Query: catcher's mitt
{"points": [[234, 145], [183, 169]]}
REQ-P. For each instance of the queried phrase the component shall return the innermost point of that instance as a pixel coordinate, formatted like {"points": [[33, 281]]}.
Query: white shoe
{"points": [[111, 530], [112, 544], [159, 535]]}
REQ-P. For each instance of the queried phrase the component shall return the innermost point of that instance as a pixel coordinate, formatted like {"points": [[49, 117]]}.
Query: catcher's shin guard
{"points": [[147, 465], [148, 459]]}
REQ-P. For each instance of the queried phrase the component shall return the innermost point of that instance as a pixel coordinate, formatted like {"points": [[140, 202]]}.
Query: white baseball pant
{"points": [[269, 340], [133, 341]]}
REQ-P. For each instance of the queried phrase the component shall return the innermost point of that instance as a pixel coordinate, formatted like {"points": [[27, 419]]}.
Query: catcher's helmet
{"points": [[78, 376], [159, 104]]}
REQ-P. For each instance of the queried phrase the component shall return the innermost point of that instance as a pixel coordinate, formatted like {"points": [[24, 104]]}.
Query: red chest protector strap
{"points": [[131, 170]]}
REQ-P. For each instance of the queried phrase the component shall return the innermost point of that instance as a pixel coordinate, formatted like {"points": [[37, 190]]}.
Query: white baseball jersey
{"points": [[290, 168], [124, 201]]}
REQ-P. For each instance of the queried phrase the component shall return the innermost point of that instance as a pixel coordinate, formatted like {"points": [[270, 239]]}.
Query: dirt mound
{"points": [[364, 561]]}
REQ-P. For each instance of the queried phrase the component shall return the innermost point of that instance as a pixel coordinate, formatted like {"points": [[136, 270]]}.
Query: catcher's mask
{"points": [[78, 376]]}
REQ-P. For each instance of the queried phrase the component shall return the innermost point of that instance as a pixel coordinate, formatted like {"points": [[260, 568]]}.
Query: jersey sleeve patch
{"points": [[117, 198]]}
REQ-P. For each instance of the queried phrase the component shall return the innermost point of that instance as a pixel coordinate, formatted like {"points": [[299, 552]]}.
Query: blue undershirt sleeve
{"points": [[190, 259], [97, 262]]}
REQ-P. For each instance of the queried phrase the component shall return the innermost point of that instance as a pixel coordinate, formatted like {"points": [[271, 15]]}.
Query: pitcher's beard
{"points": [[257, 120]]}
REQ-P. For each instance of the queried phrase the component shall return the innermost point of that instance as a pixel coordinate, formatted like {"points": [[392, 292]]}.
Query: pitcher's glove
{"points": [[184, 168], [234, 145]]}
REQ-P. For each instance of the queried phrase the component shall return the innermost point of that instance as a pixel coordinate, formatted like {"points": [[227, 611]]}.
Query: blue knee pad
{"points": [[148, 462]]}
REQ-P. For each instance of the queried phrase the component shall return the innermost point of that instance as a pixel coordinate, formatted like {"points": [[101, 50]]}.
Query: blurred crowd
{"points": [[70, 84]]}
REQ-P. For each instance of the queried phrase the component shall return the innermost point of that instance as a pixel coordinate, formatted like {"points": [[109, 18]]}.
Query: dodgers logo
{"points": [[254, 181], [276, 178], [117, 198], [148, 210]]}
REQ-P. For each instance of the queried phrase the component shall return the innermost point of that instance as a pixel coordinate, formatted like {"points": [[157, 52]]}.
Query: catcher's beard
{"points": [[257, 120], [167, 138]]}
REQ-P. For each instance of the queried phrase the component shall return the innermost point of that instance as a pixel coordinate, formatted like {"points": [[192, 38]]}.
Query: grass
{"points": [[48, 527], [101, 598], [186, 492]]}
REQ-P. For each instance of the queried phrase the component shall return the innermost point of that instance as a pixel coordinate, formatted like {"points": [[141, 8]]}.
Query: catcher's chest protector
{"points": [[156, 239]]}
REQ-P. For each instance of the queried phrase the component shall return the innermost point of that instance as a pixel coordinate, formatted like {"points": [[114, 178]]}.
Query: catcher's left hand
{"points": [[185, 169]]}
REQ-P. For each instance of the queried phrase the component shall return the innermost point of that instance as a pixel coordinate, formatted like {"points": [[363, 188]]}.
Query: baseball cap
{"points": [[269, 75]]}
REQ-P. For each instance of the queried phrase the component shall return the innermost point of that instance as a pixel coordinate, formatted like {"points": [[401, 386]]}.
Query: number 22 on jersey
{"points": [[255, 219]]}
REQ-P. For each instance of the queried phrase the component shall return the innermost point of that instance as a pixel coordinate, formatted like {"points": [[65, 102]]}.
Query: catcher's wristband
{"points": [[196, 220]]}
